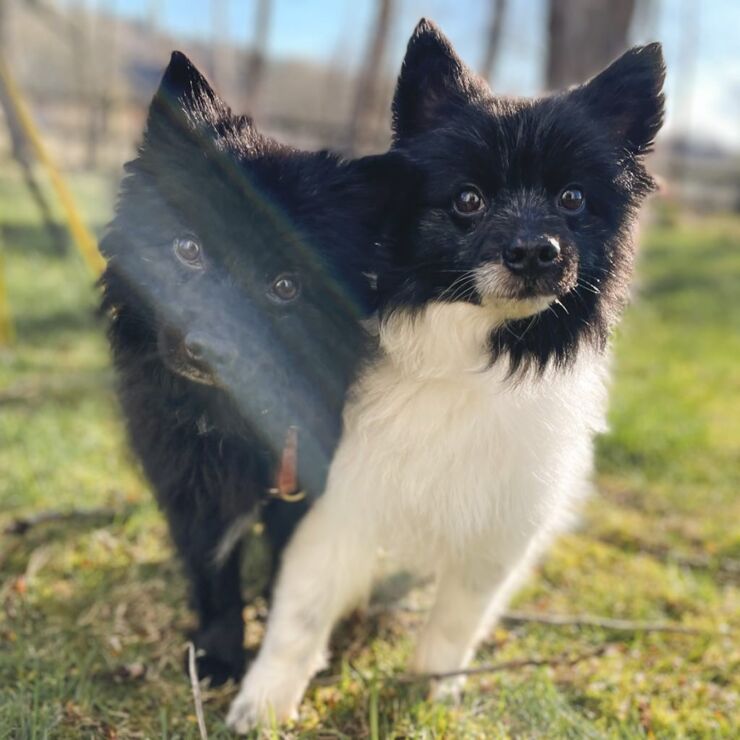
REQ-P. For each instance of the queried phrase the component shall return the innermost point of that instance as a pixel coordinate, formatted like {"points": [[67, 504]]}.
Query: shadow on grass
{"points": [[37, 326], [25, 238], [66, 390], [98, 641], [96, 647], [76, 641]]}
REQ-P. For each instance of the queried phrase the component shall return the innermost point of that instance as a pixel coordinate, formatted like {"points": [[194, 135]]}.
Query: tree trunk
{"points": [[21, 150], [367, 86], [493, 42], [255, 69], [584, 36], [18, 144], [219, 32]]}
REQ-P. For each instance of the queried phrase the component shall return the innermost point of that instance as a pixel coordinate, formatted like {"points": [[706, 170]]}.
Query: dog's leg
{"points": [[215, 590], [469, 599], [280, 519], [326, 568]]}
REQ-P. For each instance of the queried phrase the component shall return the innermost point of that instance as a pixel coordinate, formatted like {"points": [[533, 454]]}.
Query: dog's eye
{"points": [[572, 200], [468, 201], [285, 288], [188, 251]]}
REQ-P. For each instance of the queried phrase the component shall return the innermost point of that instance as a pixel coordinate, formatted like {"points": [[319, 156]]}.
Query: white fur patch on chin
{"points": [[517, 308], [493, 283]]}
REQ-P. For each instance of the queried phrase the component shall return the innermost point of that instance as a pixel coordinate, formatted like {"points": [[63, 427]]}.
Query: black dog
{"points": [[239, 271]]}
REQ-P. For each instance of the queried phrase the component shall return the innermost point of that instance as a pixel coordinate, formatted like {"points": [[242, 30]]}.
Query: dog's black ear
{"points": [[381, 190], [184, 104], [392, 181], [628, 96], [432, 79]]}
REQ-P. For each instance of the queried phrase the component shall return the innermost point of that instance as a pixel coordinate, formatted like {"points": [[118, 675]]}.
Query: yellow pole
{"points": [[7, 333], [83, 238]]}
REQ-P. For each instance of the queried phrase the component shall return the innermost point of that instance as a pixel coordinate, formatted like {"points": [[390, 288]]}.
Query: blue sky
{"points": [[704, 97]]}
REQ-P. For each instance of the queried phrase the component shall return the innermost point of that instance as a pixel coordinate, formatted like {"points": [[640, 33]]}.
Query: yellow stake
{"points": [[7, 333], [83, 238]]}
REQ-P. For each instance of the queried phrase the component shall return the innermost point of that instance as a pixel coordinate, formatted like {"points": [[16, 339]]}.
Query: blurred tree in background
{"points": [[89, 69], [583, 37]]}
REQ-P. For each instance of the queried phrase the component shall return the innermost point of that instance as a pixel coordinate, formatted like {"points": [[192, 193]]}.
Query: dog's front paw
{"points": [[244, 715], [219, 648], [266, 698], [435, 655], [216, 669], [446, 690]]}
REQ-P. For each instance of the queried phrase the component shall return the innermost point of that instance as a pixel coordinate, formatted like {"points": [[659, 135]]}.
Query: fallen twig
{"points": [[510, 665], [622, 625], [195, 686], [702, 561], [729, 566], [574, 620], [21, 525]]}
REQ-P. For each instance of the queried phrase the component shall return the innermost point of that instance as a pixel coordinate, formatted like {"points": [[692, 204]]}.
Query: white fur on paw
{"points": [[243, 716], [436, 655], [446, 690], [265, 699]]}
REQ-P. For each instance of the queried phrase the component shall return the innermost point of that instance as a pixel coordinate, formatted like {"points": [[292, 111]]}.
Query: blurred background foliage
{"points": [[322, 73]]}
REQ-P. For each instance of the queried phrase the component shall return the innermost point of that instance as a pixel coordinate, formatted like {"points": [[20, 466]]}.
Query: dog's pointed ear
{"points": [[628, 96], [432, 78], [184, 104]]}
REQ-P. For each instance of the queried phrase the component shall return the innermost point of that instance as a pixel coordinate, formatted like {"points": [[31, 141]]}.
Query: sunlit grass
{"points": [[92, 613]]}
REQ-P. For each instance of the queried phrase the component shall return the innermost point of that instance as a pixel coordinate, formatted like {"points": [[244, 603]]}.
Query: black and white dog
{"points": [[468, 434], [237, 284]]}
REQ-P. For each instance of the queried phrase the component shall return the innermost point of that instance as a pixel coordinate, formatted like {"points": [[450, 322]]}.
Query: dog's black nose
{"points": [[531, 256], [201, 348]]}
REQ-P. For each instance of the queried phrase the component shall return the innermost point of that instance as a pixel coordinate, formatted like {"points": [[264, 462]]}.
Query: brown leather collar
{"points": [[286, 480]]}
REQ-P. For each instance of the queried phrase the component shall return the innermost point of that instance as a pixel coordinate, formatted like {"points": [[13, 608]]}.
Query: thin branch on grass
{"points": [[577, 620], [562, 660], [195, 686], [700, 561], [622, 625], [509, 665], [727, 566], [724, 565], [21, 525]]}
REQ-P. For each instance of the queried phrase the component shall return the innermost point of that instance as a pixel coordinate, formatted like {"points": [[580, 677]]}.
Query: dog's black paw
{"points": [[219, 650], [217, 669]]}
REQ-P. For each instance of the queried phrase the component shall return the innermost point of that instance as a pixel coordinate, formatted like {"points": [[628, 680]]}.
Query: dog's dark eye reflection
{"points": [[572, 200], [468, 201], [188, 251], [285, 289]]}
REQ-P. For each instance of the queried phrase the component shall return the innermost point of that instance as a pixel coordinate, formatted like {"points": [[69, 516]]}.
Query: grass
{"points": [[92, 612]]}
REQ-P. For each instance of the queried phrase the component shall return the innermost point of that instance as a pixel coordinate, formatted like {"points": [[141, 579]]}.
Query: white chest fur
{"points": [[441, 450], [452, 467]]}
